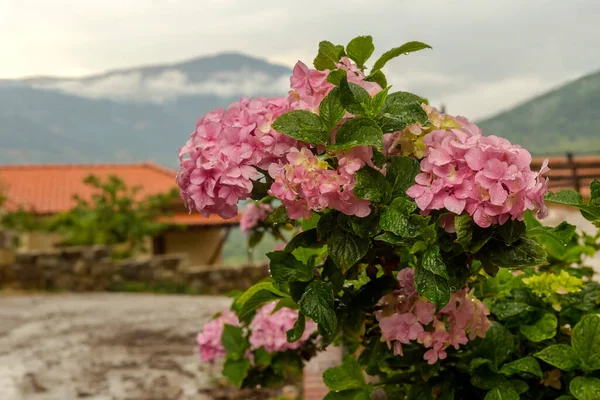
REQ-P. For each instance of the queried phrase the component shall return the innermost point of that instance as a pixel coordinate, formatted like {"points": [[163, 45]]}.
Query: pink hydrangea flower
{"points": [[221, 159], [269, 329], [405, 317], [209, 340], [486, 176], [307, 183], [253, 214]]}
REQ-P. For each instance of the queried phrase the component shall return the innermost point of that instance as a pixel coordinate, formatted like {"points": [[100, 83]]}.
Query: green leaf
{"points": [[278, 216], [378, 77], [396, 119], [247, 295], [331, 109], [502, 393], [347, 376], [401, 173], [332, 274], [236, 370], [335, 76], [354, 98], [585, 340], [358, 132], [511, 231], [464, 230], [258, 299], [307, 238], [480, 238], [562, 233], [478, 362], [433, 287], [365, 227], [398, 101], [585, 388], [371, 185], [354, 394], [255, 238], [329, 54], [433, 263], [560, 356], [285, 267], [526, 364], [360, 49], [566, 197], [595, 192], [519, 386], [498, 344], [262, 357], [302, 125], [294, 334], [524, 253], [396, 219], [506, 309], [406, 48], [378, 102], [346, 249], [234, 342], [317, 303], [542, 329]]}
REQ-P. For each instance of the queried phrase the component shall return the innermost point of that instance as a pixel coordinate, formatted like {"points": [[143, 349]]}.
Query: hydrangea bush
{"points": [[416, 244]]}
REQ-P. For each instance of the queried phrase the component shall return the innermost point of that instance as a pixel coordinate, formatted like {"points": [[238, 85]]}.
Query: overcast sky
{"points": [[488, 54]]}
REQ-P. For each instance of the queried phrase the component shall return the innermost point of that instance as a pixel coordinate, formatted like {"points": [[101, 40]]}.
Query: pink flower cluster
{"points": [[220, 160], [267, 329], [306, 183], [486, 176], [253, 214], [406, 316], [310, 86], [209, 340]]}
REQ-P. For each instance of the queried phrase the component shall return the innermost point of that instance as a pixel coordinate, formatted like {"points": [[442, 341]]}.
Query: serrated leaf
{"points": [[396, 102], [284, 267], [401, 117], [329, 54], [433, 287], [335, 77], [302, 125], [294, 334], [278, 216], [331, 109], [369, 294], [358, 132], [347, 376], [560, 356], [353, 394], [397, 218], [585, 340], [406, 48], [258, 299], [585, 388], [244, 297], [236, 370], [354, 98], [360, 49], [433, 263], [526, 364], [507, 309], [317, 303], [346, 249], [524, 253], [401, 173], [542, 329], [464, 230], [566, 197], [378, 101], [371, 185]]}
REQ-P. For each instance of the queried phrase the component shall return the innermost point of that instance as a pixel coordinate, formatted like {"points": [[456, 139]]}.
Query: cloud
{"points": [[170, 84]]}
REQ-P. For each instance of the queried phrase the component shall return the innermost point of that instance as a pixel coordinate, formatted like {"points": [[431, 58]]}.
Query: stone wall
{"points": [[93, 269]]}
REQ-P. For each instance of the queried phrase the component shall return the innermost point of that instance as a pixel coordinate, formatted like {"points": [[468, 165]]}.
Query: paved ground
{"points": [[103, 346]]}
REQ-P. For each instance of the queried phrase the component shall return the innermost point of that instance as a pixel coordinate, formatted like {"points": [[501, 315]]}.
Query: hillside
{"points": [[564, 119], [126, 115]]}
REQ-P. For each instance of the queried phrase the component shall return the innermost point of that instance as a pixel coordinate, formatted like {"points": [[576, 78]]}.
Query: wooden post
{"points": [[573, 168]]}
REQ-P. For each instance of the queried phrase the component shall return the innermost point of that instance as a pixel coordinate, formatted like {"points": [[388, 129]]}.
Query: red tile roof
{"points": [[49, 189]]}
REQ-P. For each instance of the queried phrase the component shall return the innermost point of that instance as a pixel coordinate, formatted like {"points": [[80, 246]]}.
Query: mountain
{"points": [[564, 119], [125, 115]]}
